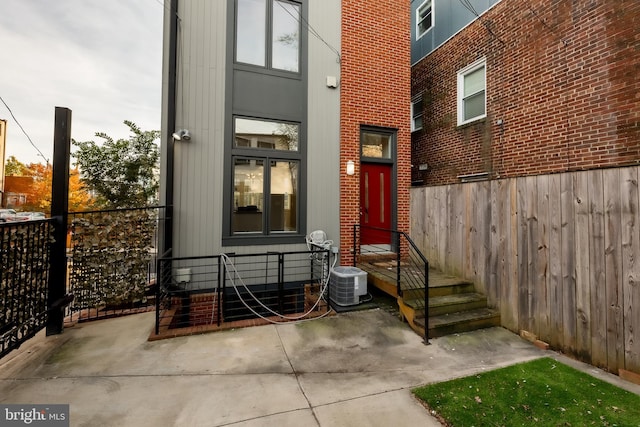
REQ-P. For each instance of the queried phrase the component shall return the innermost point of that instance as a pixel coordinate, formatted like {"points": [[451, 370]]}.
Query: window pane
{"points": [[262, 134], [376, 145], [248, 195], [251, 32], [286, 36], [474, 106], [424, 18], [284, 192], [417, 123], [474, 82]]}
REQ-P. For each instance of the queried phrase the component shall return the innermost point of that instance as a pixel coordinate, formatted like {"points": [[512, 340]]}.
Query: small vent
{"points": [[346, 285]]}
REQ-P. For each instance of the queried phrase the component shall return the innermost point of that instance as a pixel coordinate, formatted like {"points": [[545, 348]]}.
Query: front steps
{"points": [[454, 304]]}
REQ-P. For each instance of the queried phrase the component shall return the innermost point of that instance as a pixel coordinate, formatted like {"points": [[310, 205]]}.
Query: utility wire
{"points": [[547, 26], [312, 30], [23, 131], [467, 4]]}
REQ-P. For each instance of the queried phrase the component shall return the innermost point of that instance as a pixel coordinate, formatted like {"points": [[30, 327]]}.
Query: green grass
{"points": [[542, 393]]}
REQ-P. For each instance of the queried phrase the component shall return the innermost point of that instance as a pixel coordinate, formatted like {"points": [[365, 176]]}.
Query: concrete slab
{"points": [[395, 408], [350, 369]]}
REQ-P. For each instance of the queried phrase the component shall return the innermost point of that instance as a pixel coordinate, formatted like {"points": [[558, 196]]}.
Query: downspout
{"points": [[171, 125]]}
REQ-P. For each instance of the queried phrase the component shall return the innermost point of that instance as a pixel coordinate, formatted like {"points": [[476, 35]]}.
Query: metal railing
{"points": [[25, 249], [111, 258], [397, 261], [217, 289]]}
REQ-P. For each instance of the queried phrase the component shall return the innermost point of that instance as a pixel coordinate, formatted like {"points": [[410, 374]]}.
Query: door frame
{"points": [[391, 160]]}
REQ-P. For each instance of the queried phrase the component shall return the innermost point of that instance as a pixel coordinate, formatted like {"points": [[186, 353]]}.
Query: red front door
{"points": [[375, 203]]}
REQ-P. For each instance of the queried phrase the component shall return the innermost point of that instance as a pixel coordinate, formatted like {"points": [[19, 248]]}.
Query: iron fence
{"points": [[111, 257], [212, 290], [25, 249]]}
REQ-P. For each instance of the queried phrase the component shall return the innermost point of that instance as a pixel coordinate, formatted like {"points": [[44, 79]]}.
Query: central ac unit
{"points": [[346, 285]]}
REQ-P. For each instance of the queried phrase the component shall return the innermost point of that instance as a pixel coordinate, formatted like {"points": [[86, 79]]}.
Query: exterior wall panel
{"points": [[323, 166]]}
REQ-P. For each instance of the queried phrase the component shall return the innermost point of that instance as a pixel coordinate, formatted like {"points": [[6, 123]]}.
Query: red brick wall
{"points": [[562, 75], [375, 90]]}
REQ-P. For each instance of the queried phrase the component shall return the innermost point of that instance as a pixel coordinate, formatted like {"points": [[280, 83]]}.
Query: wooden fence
{"points": [[559, 255]]}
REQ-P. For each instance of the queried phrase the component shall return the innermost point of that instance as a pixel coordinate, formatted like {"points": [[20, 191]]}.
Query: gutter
{"points": [[171, 124]]}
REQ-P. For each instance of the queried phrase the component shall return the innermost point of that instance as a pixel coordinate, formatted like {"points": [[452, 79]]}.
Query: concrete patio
{"points": [[352, 369]]}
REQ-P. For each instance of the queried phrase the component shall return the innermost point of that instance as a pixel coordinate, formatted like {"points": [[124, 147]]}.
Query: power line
{"points": [[23, 131], [467, 4], [312, 30]]}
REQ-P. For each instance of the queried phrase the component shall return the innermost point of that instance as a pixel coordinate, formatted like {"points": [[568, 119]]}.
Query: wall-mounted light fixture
{"points": [[351, 167], [182, 135]]}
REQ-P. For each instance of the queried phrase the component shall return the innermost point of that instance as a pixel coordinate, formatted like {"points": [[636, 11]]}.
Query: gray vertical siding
{"points": [[200, 107], [323, 184], [449, 18]]}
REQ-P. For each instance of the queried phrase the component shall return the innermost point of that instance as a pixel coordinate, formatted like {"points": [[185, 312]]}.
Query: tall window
{"points": [[472, 92], [268, 34], [424, 18], [416, 113], [266, 175]]}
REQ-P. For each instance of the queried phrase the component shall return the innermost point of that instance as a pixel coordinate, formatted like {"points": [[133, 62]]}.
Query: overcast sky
{"points": [[99, 58]]}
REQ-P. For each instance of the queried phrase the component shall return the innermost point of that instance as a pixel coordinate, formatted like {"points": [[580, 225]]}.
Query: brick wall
{"points": [[561, 75], [375, 90]]}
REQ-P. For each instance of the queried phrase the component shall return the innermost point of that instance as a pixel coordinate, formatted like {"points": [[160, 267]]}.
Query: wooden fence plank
{"points": [[555, 301], [495, 252], [512, 271], [630, 237], [456, 231], [583, 267], [441, 225], [482, 218], [541, 283], [597, 285], [613, 269], [569, 268], [524, 255]]}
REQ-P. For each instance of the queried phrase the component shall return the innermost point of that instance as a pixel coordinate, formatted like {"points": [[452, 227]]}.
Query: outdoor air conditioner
{"points": [[346, 285]]}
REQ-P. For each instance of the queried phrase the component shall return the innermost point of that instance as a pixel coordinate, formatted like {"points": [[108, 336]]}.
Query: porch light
{"points": [[351, 167]]}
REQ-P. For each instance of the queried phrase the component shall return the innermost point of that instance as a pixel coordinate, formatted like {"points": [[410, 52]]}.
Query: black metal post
{"points": [[221, 278], [281, 283], [59, 211], [426, 303], [354, 245], [398, 259]]}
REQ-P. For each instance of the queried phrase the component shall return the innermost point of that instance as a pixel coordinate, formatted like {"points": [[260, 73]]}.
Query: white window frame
{"points": [[424, 4], [413, 115], [481, 63]]}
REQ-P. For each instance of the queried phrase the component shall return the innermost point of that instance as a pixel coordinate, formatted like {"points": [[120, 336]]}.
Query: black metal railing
{"points": [[111, 258], [212, 290], [25, 249], [393, 257]]}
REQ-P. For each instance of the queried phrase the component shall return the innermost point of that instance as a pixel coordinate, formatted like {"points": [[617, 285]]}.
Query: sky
{"points": [[102, 59]]}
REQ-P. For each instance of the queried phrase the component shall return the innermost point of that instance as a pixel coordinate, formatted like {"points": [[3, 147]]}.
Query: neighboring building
{"points": [[16, 190], [523, 87], [3, 145], [279, 97]]}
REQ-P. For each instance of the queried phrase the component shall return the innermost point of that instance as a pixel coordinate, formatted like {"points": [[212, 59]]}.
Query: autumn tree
{"points": [[14, 167], [122, 173], [39, 193]]}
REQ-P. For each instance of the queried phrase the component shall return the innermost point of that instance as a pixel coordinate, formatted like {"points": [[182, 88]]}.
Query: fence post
{"points": [[59, 210]]}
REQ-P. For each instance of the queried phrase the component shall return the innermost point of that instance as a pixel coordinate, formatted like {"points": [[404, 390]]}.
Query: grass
{"points": [[542, 392]]}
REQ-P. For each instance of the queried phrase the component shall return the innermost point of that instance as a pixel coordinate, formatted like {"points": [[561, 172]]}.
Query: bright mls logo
{"points": [[34, 415]]}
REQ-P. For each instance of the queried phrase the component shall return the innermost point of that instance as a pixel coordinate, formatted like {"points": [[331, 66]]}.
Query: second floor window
{"points": [[424, 18], [472, 92], [268, 34]]}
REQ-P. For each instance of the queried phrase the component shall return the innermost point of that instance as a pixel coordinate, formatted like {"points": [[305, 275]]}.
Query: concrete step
{"points": [[448, 304], [463, 321]]}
